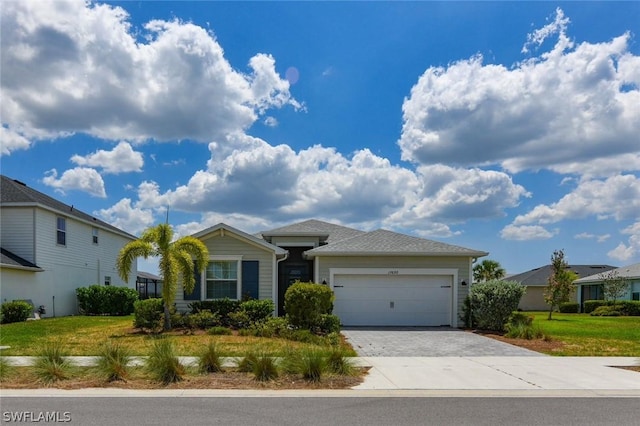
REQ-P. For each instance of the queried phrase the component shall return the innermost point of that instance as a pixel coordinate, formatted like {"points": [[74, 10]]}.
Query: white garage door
{"points": [[400, 300]]}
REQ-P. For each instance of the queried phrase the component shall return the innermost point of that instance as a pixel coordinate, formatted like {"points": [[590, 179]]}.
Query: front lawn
{"points": [[586, 335], [84, 335]]}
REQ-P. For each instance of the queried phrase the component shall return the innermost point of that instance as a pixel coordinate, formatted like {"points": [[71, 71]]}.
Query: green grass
{"points": [[584, 335], [85, 335]]}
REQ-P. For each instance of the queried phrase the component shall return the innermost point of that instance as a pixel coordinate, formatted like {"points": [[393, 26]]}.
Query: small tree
{"points": [[176, 259], [560, 282], [488, 270], [614, 286]]}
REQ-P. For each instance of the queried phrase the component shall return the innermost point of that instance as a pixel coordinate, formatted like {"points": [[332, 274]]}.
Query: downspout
{"points": [[276, 282]]}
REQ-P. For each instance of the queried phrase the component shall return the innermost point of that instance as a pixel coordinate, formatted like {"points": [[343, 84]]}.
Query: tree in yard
{"points": [[560, 282], [487, 270], [614, 286], [176, 260]]}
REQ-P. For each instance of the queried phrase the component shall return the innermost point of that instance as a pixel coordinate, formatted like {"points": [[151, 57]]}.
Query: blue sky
{"points": [[509, 127]]}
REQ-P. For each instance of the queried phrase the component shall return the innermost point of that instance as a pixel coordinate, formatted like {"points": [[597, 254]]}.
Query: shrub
{"points": [[222, 307], [625, 307], [311, 364], [467, 314], [569, 307], [328, 324], [246, 363], [257, 310], [524, 331], [16, 311], [338, 363], [209, 360], [113, 362], [306, 302], [149, 314], [304, 336], [202, 320], [519, 318], [494, 301], [50, 365], [106, 300], [239, 319], [606, 311], [163, 363], [264, 368], [219, 331]]}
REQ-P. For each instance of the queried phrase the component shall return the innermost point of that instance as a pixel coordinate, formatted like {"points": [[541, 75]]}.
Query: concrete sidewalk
{"points": [[487, 375], [501, 373]]}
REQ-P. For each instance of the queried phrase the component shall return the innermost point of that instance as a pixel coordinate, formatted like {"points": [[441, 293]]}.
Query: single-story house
{"points": [[380, 278], [50, 248], [536, 280], [590, 287]]}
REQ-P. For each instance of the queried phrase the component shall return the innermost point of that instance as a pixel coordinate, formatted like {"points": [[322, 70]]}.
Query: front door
{"points": [[291, 272]]}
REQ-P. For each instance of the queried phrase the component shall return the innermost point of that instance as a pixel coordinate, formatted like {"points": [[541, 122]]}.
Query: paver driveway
{"points": [[427, 342]]}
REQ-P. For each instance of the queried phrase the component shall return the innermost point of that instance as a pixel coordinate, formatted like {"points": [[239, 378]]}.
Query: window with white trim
{"points": [[221, 279], [94, 235], [61, 231]]}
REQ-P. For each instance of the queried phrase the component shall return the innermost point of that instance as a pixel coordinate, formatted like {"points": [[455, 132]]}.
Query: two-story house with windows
{"points": [[50, 248]]}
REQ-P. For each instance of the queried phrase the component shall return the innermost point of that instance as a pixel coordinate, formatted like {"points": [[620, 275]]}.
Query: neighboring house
{"points": [[536, 280], [50, 248], [590, 287], [379, 278], [148, 285]]}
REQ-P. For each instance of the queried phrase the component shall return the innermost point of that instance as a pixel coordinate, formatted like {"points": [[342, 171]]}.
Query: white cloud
{"points": [[173, 85], [588, 236], [617, 197], [12, 141], [123, 215], [624, 252], [79, 179], [571, 110], [270, 122], [121, 159], [526, 232]]}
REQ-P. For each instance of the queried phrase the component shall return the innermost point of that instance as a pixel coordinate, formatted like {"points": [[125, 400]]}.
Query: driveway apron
{"points": [[427, 342]]}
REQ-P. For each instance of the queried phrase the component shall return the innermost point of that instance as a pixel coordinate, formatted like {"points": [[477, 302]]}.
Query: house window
{"points": [[222, 279], [635, 295], [107, 280], [94, 234], [61, 231]]}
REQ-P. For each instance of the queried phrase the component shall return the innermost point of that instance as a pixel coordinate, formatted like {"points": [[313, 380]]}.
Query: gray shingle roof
{"points": [[11, 260], [16, 193], [314, 227], [389, 243], [631, 271], [539, 276]]}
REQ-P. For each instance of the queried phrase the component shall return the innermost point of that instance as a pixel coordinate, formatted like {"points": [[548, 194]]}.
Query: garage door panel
{"points": [[410, 300]]}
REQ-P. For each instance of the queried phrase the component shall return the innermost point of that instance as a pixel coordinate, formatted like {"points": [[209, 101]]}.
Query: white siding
{"points": [[18, 229], [78, 264], [461, 264]]}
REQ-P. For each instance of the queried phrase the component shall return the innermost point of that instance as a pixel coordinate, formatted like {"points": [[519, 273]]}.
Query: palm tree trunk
{"points": [[167, 318]]}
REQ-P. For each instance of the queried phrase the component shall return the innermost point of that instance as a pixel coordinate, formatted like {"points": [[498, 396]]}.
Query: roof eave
{"points": [[311, 253], [21, 268]]}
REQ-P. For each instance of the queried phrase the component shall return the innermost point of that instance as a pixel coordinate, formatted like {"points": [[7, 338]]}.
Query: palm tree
{"points": [[488, 270], [176, 259]]}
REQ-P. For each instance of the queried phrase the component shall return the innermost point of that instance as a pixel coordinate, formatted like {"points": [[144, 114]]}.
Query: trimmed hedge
{"points": [[16, 311], [625, 307], [222, 307], [569, 307], [106, 300], [493, 302], [306, 302]]}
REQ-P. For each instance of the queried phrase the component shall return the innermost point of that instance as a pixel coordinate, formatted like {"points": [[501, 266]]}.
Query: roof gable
{"points": [[223, 227], [389, 243], [329, 231], [14, 193]]}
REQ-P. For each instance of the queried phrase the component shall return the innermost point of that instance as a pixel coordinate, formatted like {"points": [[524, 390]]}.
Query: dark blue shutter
{"points": [[195, 294], [250, 269]]}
